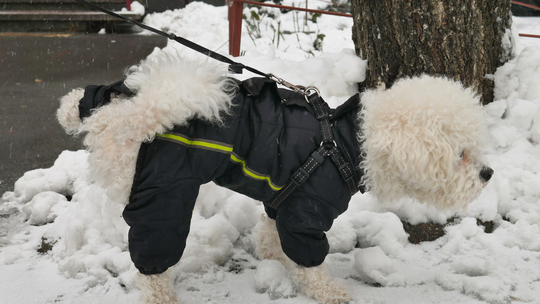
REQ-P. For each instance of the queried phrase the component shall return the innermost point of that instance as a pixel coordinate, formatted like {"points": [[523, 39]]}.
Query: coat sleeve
{"points": [[301, 223]]}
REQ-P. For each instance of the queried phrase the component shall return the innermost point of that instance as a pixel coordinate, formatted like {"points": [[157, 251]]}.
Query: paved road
{"points": [[35, 71]]}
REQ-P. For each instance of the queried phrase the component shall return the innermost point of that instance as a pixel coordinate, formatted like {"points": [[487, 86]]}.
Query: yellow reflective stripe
{"points": [[253, 174], [198, 143], [219, 147]]}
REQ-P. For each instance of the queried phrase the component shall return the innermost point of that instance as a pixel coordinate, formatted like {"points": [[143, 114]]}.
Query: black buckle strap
{"points": [[316, 159], [300, 176], [346, 170]]}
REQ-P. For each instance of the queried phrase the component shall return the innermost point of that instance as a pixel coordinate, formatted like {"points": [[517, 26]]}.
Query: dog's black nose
{"points": [[486, 173]]}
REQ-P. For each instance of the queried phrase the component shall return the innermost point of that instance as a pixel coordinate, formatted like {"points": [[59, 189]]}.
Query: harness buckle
{"points": [[299, 177], [347, 172]]}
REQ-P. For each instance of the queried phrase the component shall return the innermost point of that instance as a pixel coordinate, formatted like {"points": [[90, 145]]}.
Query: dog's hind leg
{"points": [[157, 288], [317, 283]]}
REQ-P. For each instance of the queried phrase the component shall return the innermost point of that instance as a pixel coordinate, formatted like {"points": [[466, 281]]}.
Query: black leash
{"points": [[235, 67]]}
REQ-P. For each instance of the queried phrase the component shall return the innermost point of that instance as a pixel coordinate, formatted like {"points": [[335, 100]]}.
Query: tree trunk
{"points": [[461, 39]]}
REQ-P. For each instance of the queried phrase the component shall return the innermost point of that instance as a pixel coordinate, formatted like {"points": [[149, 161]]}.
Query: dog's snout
{"points": [[486, 173]]}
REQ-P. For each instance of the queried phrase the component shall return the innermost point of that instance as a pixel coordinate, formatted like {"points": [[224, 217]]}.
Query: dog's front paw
{"points": [[331, 292], [317, 283], [157, 288]]}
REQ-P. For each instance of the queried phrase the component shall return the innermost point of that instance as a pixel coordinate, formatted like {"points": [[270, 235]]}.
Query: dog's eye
{"points": [[462, 155]]}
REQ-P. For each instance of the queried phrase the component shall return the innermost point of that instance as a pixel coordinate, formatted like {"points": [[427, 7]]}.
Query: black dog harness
{"points": [[327, 149]]}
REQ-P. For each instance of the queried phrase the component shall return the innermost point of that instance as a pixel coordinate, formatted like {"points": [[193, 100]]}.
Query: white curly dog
{"points": [[421, 139]]}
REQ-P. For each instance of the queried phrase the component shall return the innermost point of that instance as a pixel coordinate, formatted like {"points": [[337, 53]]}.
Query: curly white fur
{"points": [[170, 91], [317, 283], [414, 135], [157, 288]]}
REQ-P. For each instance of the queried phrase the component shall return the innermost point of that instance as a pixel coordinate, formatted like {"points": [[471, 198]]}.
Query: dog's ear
{"points": [[407, 150], [418, 149]]}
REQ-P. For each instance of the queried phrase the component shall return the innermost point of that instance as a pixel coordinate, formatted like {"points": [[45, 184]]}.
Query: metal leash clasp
{"points": [[306, 91]]}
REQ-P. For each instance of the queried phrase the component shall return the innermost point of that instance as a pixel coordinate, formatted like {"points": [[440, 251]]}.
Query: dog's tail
{"points": [[168, 91], [68, 113]]}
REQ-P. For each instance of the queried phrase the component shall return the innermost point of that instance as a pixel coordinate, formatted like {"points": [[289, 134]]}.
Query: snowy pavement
{"points": [[35, 70]]}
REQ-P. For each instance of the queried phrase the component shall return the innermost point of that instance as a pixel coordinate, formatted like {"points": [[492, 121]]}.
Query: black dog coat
{"points": [[267, 135]]}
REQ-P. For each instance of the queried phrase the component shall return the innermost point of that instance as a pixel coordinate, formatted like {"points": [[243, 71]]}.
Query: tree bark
{"points": [[461, 39]]}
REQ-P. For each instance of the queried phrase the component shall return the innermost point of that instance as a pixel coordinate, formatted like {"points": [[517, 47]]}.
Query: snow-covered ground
{"points": [[89, 262]]}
